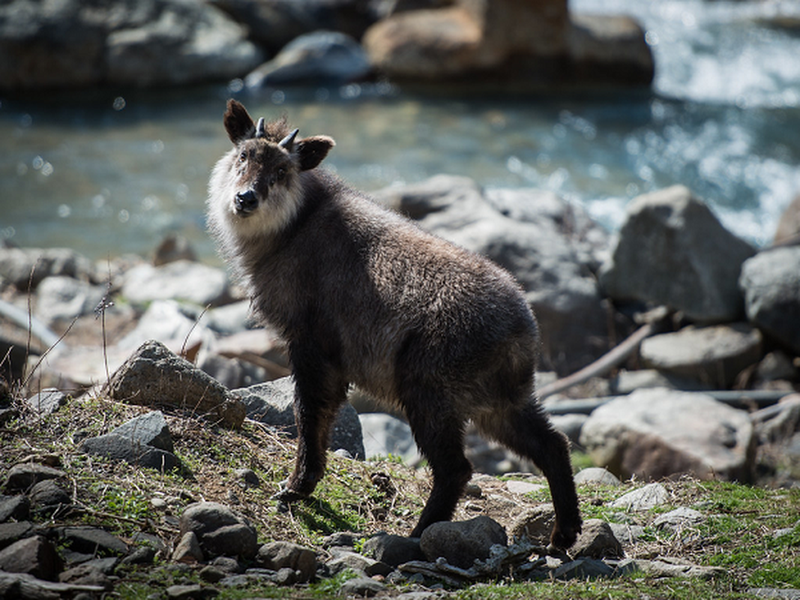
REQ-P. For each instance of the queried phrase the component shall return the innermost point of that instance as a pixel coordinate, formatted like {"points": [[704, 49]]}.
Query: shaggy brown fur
{"points": [[363, 296]]}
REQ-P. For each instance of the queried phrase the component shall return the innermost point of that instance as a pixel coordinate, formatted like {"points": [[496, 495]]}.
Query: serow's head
{"points": [[266, 163]]}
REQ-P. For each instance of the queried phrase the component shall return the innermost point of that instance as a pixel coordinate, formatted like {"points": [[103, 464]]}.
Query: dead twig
{"points": [[608, 361]]}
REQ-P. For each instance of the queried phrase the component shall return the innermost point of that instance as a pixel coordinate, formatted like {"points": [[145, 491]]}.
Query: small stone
{"points": [[644, 498], [23, 476], [220, 531], [92, 540], [248, 477], [14, 507], [523, 487], [627, 533], [47, 401], [596, 476], [188, 549], [597, 540], [358, 563], [584, 568], [679, 519], [462, 542], [535, 523], [189, 592], [278, 555], [287, 576], [47, 496], [361, 586]]}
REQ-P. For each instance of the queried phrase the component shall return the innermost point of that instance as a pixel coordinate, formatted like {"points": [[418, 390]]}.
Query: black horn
{"points": [[260, 132], [288, 141]]}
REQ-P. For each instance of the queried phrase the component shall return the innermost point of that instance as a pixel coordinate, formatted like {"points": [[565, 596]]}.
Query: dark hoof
{"points": [[562, 539], [288, 496]]}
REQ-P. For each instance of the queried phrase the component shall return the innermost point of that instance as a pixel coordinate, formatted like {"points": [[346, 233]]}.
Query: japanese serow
{"points": [[363, 296]]}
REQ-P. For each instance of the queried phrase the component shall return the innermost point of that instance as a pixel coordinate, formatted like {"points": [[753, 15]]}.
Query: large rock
{"points": [[673, 251], [552, 260], [273, 403], [385, 435], [75, 43], [34, 555], [154, 376], [788, 229], [661, 433], [275, 23], [521, 45], [179, 280], [712, 355], [65, 298], [771, 284], [324, 56], [27, 267]]}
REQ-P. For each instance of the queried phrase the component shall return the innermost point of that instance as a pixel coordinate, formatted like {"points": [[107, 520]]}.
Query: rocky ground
{"points": [[147, 423], [81, 517]]}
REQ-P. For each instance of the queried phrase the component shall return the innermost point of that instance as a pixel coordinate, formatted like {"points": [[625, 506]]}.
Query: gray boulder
{"points": [[386, 435], [75, 43], [673, 251], [64, 298], [552, 265], [275, 24], [155, 376], [179, 280], [712, 356], [30, 266], [320, 57], [173, 324], [788, 229], [462, 542], [771, 284], [659, 433], [34, 555], [273, 403]]}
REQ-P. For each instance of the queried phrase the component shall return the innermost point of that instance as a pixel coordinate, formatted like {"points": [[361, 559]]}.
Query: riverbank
{"points": [[709, 391]]}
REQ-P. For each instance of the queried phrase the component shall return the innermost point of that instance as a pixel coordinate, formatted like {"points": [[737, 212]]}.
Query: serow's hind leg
{"points": [[528, 432], [440, 438]]}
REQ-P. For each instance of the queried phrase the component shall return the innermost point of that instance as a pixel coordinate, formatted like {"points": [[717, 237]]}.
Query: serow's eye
{"points": [[281, 173], [243, 157]]}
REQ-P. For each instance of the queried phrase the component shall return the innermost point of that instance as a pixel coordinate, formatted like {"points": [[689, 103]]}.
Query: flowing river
{"points": [[113, 171]]}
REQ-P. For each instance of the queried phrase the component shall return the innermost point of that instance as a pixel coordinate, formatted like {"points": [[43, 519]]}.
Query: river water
{"points": [[112, 172]]}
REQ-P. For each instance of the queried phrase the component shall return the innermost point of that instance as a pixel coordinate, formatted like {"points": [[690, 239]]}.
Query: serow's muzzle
{"points": [[245, 202]]}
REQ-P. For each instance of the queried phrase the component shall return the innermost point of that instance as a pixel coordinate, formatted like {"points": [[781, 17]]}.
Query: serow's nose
{"points": [[245, 202]]}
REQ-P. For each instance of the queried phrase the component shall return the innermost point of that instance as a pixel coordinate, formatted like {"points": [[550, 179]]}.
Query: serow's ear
{"points": [[312, 150], [238, 122]]}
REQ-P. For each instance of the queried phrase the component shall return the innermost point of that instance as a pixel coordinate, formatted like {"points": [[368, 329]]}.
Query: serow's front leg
{"points": [[318, 396]]}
